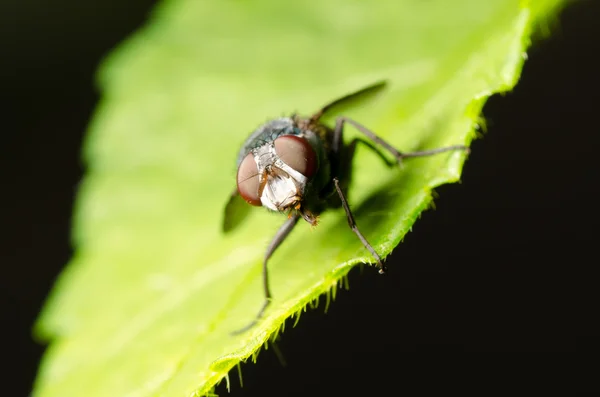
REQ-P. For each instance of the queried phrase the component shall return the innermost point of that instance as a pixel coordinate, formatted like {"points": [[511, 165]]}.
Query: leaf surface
{"points": [[147, 305]]}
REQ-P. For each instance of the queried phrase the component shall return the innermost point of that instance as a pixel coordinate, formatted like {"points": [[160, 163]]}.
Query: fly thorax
{"points": [[281, 187]]}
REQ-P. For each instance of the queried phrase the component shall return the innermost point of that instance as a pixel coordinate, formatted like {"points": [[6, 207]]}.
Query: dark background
{"points": [[505, 263]]}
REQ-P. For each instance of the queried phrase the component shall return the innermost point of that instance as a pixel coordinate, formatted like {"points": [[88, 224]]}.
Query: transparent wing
{"points": [[350, 100], [235, 211]]}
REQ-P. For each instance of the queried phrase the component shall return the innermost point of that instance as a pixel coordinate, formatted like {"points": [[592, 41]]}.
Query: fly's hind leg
{"points": [[281, 234]]}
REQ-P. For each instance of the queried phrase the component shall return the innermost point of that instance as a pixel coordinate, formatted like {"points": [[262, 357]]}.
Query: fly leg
{"points": [[352, 224], [347, 157], [281, 234], [352, 148], [339, 128]]}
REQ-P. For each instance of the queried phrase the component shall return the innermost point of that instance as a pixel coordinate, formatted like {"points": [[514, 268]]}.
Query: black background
{"points": [[505, 263]]}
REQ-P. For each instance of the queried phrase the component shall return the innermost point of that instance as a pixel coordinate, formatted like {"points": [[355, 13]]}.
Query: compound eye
{"points": [[296, 152], [248, 181]]}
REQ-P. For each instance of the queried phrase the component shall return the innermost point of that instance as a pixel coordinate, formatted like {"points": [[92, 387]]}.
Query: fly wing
{"points": [[235, 211], [350, 100]]}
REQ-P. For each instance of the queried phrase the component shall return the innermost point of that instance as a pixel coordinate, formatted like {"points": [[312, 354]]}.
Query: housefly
{"points": [[300, 167]]}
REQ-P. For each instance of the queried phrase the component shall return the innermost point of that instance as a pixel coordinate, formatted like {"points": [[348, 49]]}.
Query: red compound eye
{"points": [[248, 181], [297, 152]]}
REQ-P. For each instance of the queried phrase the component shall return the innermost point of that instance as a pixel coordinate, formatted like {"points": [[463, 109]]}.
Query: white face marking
{"points": [[282, 189]]}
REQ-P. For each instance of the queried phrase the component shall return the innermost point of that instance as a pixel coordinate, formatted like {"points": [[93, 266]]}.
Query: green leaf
{"points": [[148, 303]]}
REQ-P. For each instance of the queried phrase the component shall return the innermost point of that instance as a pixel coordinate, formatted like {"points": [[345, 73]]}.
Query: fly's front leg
{"points": [[352, 224], [281, 234], [339, 128]]}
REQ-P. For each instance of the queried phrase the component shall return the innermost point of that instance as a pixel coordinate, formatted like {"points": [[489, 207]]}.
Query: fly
{"points": [[300, 167]]}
